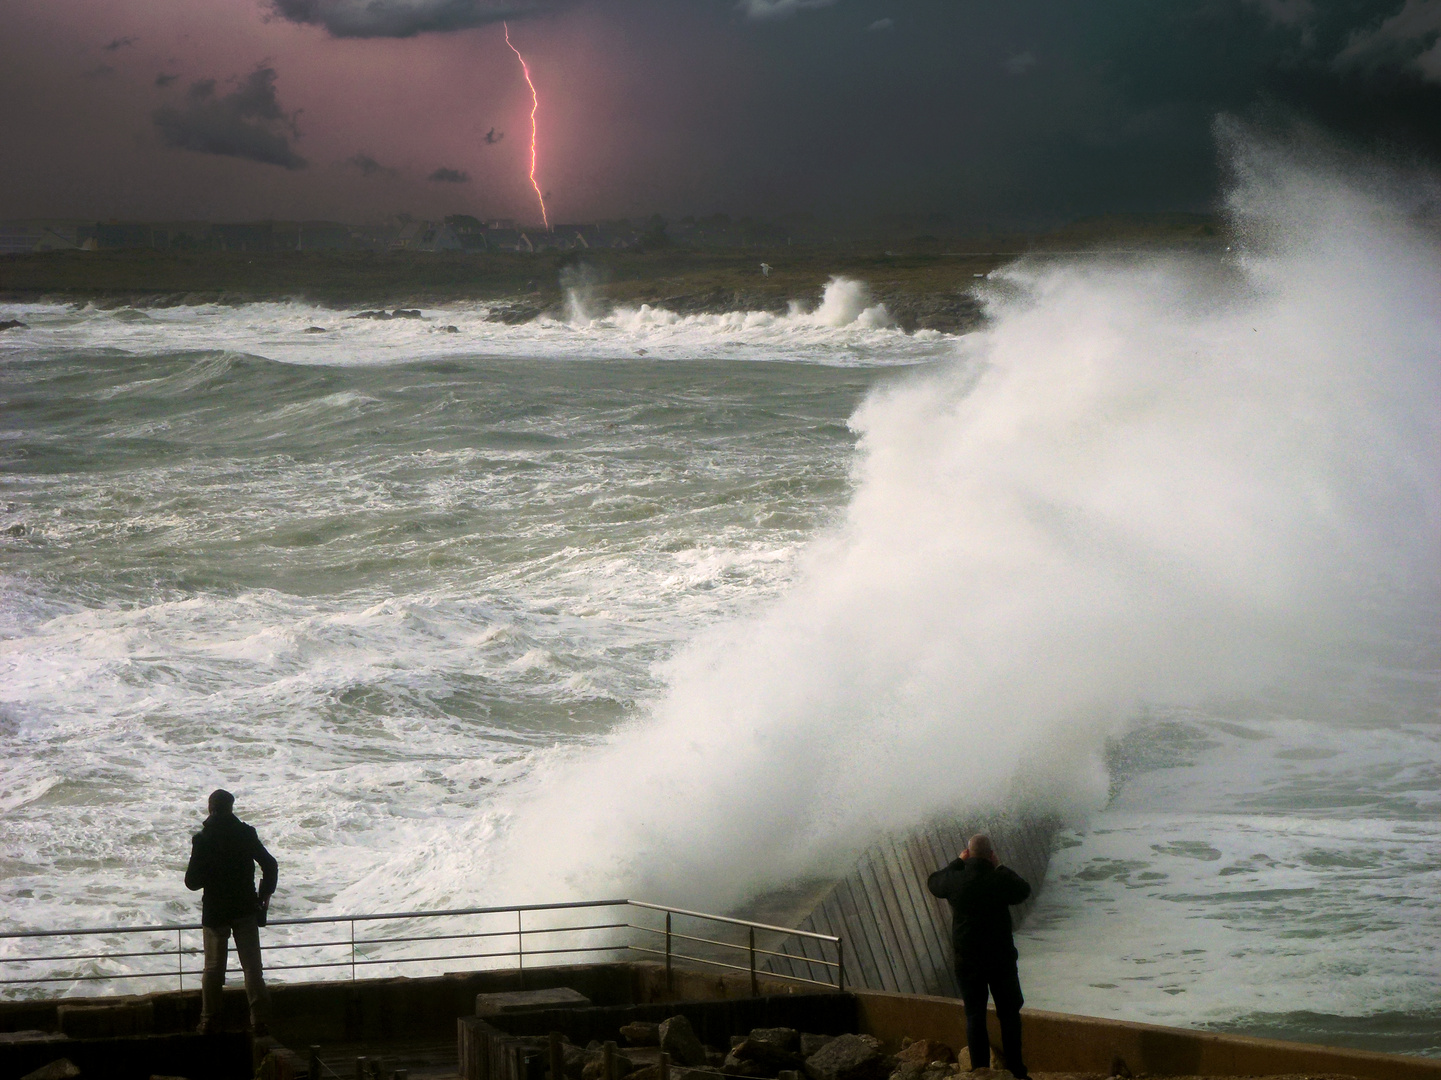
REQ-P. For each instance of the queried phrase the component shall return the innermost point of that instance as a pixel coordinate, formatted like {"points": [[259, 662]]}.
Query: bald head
{"points": [[980, 847]]}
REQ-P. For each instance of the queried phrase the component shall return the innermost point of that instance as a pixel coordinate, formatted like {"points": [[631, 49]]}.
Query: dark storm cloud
{"points": [[120, 43], [163, 80], [780, 9], [446, 175], [366, 165], [401, 18], [1410, 40], [246, 123], [492, 137]]}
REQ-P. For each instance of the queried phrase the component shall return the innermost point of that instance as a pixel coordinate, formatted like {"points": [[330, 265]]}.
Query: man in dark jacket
{"points": [[981, 892], [223, 855]]}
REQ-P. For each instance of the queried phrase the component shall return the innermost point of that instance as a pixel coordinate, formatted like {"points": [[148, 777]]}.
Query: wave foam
{"points": [[1166, 481]]}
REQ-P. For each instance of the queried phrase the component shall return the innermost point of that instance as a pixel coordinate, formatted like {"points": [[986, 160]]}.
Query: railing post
{"points": [[755, 991], [557, 1056], [668, 983], [180, 958], [314, 1062], [520, 946], [840, 964], [352, 950]]}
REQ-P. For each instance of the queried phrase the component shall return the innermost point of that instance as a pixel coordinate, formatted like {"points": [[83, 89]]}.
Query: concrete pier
{"points": [[377, 1016]]}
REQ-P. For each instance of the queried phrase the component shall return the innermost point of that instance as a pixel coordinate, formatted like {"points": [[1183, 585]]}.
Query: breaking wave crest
{"points": [[1165, 482]]}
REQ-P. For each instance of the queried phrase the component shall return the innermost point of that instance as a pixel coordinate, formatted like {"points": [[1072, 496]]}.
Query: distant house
{"points": [[470, 231], [253, 236], [612, 234], [17, 239], [53, 239], [117, 235], [439, 238], [507, 240], [321, 236], [427, 236]]}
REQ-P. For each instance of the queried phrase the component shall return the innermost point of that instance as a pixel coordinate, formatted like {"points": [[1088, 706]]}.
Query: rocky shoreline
{"points": [[670, 1050]]}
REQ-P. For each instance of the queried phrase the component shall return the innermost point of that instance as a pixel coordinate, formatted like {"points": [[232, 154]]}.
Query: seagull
{"points": [[765, 269]]}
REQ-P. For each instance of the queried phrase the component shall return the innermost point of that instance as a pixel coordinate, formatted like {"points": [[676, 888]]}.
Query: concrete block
{"points": [[559, 997]]}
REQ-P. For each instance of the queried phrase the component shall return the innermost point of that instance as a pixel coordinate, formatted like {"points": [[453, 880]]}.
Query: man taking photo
{"points": [[981, 892]]}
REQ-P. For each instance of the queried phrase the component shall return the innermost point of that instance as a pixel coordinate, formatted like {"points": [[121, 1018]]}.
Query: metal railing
{"points": [[488, 934]]}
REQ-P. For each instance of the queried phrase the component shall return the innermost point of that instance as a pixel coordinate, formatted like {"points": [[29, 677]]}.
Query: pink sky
{"points": [[85, 142]]}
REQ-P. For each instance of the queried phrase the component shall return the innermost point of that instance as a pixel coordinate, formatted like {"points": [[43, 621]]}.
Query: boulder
{"points": [[763, 1053], [782, 1038], [907, 1070], [811, 1043], [59, 1069], [641, 1033], [595, 1066], [575, 1061], [850, 1057], [315, 330], [924, 1051], [16, 324], [678, 1039]]}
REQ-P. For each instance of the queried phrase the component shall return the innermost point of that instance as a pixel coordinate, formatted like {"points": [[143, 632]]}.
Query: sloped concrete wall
{"points": [[896, 935]]}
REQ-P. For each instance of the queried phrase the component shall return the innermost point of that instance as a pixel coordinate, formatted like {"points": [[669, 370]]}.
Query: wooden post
{"points": [[608, 1059], [669, 986], [361, 1072], [314, 1063], [664, 1066], [557, 1056]]}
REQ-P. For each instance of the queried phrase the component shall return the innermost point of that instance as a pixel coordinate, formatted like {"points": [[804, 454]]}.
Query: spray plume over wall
{"points": [[534, 108], [1165, 480]]}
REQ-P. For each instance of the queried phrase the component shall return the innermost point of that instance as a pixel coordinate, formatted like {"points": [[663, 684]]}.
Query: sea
{"points": [[623, 602]]}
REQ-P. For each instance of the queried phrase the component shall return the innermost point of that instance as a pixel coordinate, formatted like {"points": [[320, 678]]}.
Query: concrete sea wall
{"points": [[897, 935]]}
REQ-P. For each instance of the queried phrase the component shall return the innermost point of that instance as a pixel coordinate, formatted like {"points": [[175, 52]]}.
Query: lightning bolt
{"points": [[534, 108]]}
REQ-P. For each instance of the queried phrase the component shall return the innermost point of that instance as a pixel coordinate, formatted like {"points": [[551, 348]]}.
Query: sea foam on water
{"points": [[1149, 481]]}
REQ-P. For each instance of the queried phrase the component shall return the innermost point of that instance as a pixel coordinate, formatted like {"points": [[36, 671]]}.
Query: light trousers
{"points": [[247, 948]]}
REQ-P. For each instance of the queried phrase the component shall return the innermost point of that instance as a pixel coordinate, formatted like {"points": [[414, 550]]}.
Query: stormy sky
{"points": [[994, 112]]}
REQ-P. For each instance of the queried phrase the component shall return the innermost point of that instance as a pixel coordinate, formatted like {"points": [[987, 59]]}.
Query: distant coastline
{"points": [[925, 283]]}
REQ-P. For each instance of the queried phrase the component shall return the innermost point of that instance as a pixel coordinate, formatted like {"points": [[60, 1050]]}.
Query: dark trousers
{"points": [[999, 979], [247, 948]]}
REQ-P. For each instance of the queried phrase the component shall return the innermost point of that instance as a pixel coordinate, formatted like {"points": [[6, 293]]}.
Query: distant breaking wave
{"points": [[847, 327]]}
